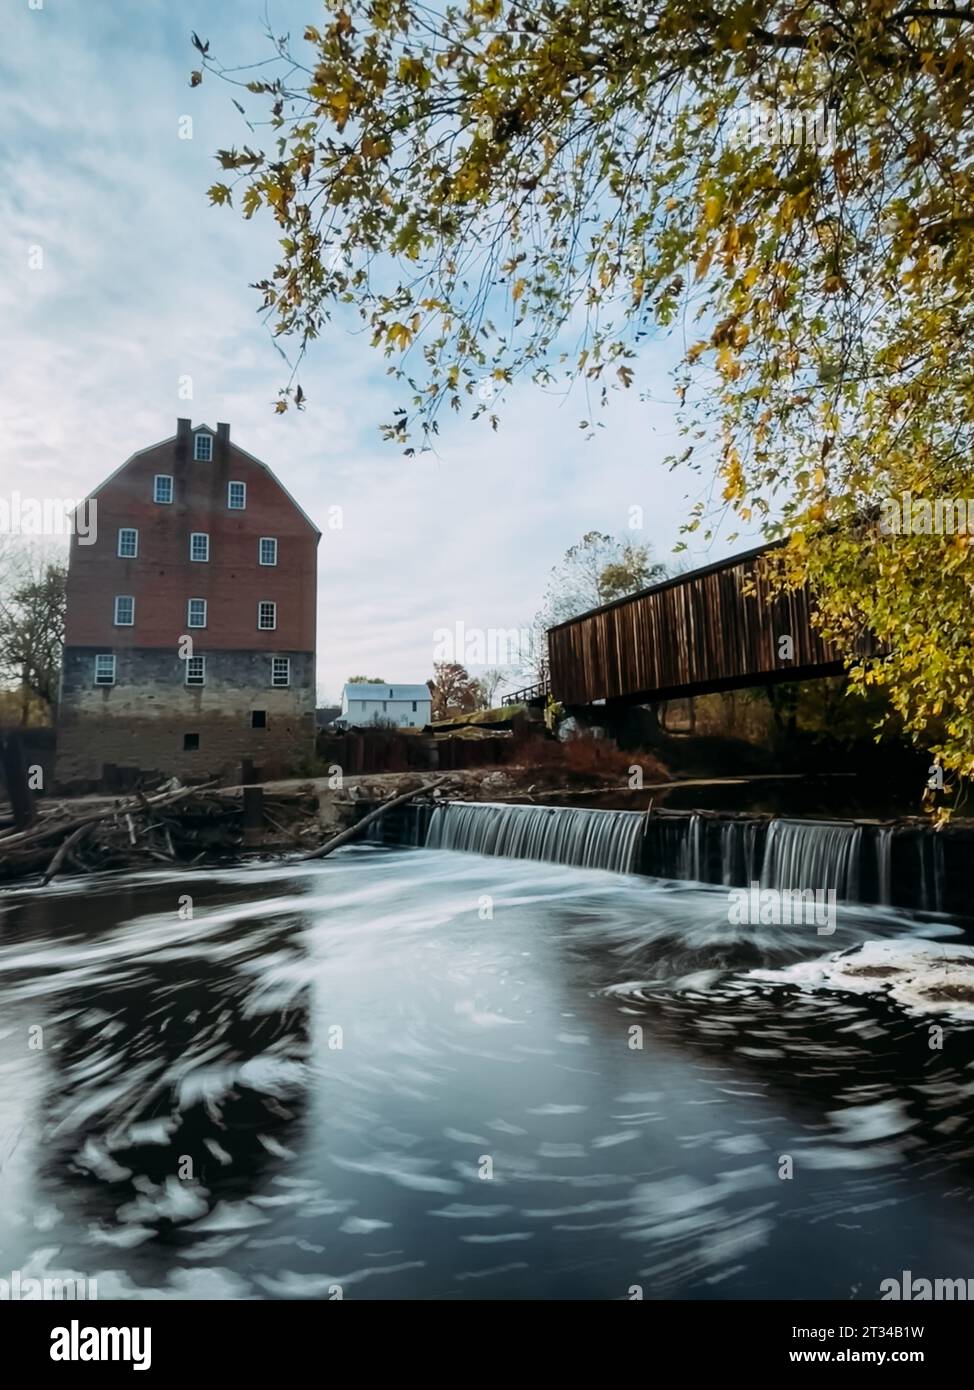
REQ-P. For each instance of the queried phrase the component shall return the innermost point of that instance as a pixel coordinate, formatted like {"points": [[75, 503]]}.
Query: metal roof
{"points": [[387, 692]]}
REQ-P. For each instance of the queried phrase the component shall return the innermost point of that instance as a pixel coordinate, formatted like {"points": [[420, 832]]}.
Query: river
{"points": [[417, 1073]]}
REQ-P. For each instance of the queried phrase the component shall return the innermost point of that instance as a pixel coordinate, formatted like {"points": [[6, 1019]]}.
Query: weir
{"points": [[806, 854], [903, 865], [561, 835]]}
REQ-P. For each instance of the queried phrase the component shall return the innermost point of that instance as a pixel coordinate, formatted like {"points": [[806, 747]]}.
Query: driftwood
{"points": [[346, 836], [64, 850], [51, 829], [178, 828]]}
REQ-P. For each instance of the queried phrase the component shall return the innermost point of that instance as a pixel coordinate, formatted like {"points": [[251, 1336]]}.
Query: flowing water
{"points": [[859, 862], [558, 834], [414, 1073], [798, 854]]}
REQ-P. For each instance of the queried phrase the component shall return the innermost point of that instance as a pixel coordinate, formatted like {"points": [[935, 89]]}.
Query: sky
{"points": [[140, 285]]}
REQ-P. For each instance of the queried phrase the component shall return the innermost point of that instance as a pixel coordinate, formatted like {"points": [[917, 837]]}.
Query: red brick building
{"points": [[190, 630]]}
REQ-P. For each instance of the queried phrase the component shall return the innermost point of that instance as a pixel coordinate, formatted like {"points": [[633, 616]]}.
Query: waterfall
{"points": [[796, 854], [666, 853], [559, 834], [693, 859], [813, 854], [739, 864], [884, 865], [857, 861], [931, 851]]}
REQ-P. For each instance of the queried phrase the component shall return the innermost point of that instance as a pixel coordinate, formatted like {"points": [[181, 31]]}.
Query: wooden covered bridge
{"points": [[690, 635]]}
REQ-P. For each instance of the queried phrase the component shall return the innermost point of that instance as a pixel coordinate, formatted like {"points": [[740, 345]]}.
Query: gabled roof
{"points": [[261, 464], [362, 691], [673, 582], [197, 429]]}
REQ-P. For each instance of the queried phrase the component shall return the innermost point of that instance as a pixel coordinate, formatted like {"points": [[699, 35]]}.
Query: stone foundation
{"points": [[143, 720]]}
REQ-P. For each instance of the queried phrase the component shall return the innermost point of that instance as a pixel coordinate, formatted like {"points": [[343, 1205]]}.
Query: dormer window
{"points": [[203, 447]]}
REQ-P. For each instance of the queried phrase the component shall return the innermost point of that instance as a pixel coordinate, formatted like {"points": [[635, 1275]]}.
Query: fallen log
{"points": [[345, 836], [64, 849]]}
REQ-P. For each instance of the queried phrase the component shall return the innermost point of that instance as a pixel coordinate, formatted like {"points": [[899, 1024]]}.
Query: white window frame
{"points": [[231, 505], [159, 478], [189, 665], [195, 536], [197, 441], [105, 656], [118, 599], [266, 540], [127, 531], [266, 627], [189, 612], [275, 662]]}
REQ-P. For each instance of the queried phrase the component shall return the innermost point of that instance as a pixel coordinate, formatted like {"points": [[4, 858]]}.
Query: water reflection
{"points": [[424, 1074]]}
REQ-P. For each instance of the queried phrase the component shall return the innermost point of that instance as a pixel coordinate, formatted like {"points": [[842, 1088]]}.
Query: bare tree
{"points": [[32, 611], [596, 570], [490, 683]]}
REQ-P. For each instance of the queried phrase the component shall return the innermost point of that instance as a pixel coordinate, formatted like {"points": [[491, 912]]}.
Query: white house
{"points": [[404, 706]]}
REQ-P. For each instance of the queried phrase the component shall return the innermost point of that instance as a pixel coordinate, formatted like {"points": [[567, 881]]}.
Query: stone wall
{"points": [[143, 719]]}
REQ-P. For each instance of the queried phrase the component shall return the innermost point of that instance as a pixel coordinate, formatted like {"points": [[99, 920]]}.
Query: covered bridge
{"points": [[695, 633]]}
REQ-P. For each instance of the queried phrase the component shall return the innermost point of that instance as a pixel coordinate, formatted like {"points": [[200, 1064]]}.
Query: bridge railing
{"points": [[528, 695]]}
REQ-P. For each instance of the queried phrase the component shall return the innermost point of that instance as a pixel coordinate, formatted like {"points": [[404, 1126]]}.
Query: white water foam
{"points": [[923, 977]]}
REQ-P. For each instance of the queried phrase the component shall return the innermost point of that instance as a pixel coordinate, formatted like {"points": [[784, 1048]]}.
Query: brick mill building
{"points": [[190, 628]]}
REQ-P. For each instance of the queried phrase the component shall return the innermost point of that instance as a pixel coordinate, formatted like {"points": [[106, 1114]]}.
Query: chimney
{"points": [[222, 448], [183, 431]]}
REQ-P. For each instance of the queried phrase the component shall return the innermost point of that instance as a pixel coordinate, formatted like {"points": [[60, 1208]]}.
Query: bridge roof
{"points": [[673, 582]]}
